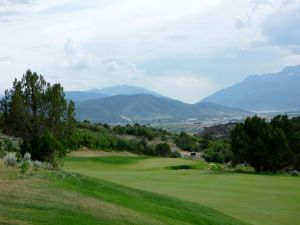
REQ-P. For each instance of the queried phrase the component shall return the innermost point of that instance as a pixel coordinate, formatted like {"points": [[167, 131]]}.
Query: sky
{"points": [[184, 49]]}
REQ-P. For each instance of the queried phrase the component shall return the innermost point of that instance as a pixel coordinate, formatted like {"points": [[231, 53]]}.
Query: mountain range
{"points": [[146, 107], [269, 92], [79, 96], [279, 92]]}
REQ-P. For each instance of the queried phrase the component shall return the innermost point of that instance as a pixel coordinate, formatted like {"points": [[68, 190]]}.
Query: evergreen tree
{"points": [[264, 146], [37, 112]]}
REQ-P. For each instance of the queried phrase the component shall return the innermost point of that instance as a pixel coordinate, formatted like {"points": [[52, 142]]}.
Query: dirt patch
{"points": [[84, 152]]}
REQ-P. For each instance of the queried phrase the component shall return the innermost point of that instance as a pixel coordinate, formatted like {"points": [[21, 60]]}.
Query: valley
{"points": [[127, 112]]}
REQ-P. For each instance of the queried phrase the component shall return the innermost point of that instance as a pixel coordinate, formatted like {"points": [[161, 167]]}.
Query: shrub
{"points": [[46, 148], [27, 156], [25, 166], [187, 142], [213, 166], [175, 154], [218, 152], [41, 165], [295, 173], [163, 149], [10, 159], [37, 164]]}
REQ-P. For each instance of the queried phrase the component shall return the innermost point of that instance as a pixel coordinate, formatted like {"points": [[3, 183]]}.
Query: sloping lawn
{"points": [[50, 197], [257, 199]]}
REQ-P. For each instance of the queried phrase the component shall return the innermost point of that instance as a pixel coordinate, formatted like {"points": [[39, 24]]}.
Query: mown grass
{"points": [[51, 197], [257, 199]]}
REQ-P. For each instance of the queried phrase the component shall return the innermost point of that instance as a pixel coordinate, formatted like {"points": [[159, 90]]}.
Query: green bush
{"points": [[45, 148], [218, 152], [140, 131], [25, 167], [188, 142], [163, 150]]}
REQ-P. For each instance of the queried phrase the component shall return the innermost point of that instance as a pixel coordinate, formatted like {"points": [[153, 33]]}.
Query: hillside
{"points": [[143, 107], [270, 92], [78, 96]]}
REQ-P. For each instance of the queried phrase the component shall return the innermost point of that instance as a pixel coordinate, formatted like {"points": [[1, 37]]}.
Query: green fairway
{"points": [[256, 199], [49, 197]]}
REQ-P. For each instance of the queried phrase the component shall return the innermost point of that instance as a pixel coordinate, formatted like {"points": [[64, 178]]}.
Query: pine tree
{"points": [[37, 112]]}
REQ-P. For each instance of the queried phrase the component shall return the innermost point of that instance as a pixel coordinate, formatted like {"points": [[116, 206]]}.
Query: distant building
{"points": [[191, 155], [196, 155]]}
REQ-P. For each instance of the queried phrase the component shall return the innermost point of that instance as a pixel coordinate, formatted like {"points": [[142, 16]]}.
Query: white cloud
{"points": [[74, 57]]}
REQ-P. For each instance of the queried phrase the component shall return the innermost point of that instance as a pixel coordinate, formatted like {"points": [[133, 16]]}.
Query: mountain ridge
{"points": [[80, 96], [267, 92], [144, 107]]}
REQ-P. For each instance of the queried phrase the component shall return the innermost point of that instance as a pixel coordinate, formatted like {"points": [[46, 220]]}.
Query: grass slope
{"points": [[257, 199], [48, 197]]}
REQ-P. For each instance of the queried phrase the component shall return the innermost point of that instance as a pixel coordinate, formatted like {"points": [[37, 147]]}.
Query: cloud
{"points": [[283, 28], [11, 2], [115, 65], [183, 49], [75, 58], [6, 59], [15, 10]]}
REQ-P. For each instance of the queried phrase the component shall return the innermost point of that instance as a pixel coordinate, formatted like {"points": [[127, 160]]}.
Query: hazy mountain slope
{"points": [[209, 108], [270, 92], [79, 96], [144, 107], [124, 90]]}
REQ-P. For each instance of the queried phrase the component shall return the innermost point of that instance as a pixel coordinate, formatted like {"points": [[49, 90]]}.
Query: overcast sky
{"points": [[185, 49]]}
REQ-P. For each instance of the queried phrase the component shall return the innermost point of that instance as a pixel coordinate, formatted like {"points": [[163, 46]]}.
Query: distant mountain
{"points": [[79, 96], [270, 92], [213, 109], [144, 107], [124, 90]]}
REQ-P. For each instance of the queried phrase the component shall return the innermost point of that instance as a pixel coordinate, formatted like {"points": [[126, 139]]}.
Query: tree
{"points": [[163, 149], [187, 142], [264, 146], [37, 112], [218, 151]]}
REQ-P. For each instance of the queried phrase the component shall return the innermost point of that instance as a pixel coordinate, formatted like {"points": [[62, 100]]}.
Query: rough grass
{"points": [[50, 197], [257, 199]]}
